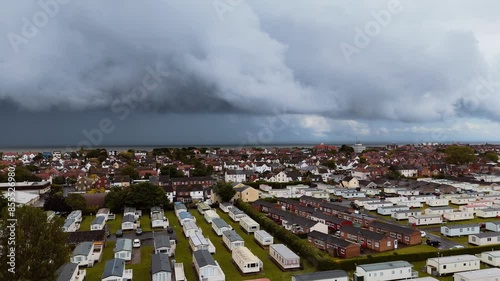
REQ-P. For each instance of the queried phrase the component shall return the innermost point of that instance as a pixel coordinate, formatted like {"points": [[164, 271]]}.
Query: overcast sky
{"points": [[81, 73]]}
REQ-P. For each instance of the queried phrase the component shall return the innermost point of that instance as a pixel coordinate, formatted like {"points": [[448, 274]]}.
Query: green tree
{"points": [[330, 164], [115, 199], [41, 246], [224, 190], [76, 202], [55, 202], [142, 196], [459, 155], [171, 171], [3, 201], [130, 171], [346, 149], [491, 156]]}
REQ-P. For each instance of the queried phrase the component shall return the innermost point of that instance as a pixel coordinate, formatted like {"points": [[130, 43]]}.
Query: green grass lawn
{"points": [[145, 222], [85, 224], [115, 224], [94, 273], [182, 251]]}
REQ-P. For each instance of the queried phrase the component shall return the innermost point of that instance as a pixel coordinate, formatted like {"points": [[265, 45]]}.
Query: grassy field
{"points": [[115, 224], [85, 224]]}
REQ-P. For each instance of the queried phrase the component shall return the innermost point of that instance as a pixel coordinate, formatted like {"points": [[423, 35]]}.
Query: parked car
{"points": [[434, 243], [457, 247], [170, 229], [138, 231], [136, 243], [119, 233]]}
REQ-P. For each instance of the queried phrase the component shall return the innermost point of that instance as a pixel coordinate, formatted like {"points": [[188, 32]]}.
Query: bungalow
{"points": [[493, 226], [83, 254], [488, 213], [189, 228], [163, 244], [425, 220], [404, 235], [70, 272], [491, 257], [210, 215], [98, 223], [123, 249], [198, 242], [460, 230], [263, 206], [437, 202], [246, 261], [115, 270], [246, 193], [232, 240], [393, 270], [185, 217], [159, 220], [484, 238], [206, 267], [403, 215], [202, 207], [452, 264], [160, 267], [388, 210], [249, 225], [219, 226], [329, 275], [368, 239], [488, 274], [463, 200], [236, 214], [263, 238], [458, 216], [284, 257], [333, 245], [129, 222], [439, 210], [375, 205], [225, 206]]}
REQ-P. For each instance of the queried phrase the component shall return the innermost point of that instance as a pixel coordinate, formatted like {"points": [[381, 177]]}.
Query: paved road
{"points": [[146, 237], [444, 242]]}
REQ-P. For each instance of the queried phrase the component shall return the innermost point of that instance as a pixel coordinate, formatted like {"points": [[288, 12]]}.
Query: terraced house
{"points": [[404, 235], [372, 240]]}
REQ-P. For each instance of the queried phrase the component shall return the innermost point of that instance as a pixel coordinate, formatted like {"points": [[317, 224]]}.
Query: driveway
{"points": [[146, 237], [444, 242]]}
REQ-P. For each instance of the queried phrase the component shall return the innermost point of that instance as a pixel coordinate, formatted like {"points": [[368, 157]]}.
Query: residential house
{"points": [[84, 184], [333, 245], [349, 182], [403, 234], [246, 194], [368, 239], [235, 176]]}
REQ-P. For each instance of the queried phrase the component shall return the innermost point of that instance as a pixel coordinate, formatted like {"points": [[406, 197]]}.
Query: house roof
{"points": [[232, 235], [99, 220], [66, 271], [452, 259], [384, 265], [363, 232], [220, 223], [487, 234], [483, 274], [113, 267], [83, 249], [321, 275], [459, 226], [161, 240], [284, 251], [160, 263], [123, 244], [394, 227], [203, 258], [128, 218]]}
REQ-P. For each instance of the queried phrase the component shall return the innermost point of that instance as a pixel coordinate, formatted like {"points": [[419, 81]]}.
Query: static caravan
{"points": [[232, 240], [375, 205], [411, 204], [493, 226], [485, 238], [396, 200], [246, 261], [437, 202], [98, 223], [123, 249], [488, 213], [425, 219], [82, 254], [210, 215], [462, 200], [185, 216], [370, 191], [329, 275], [132, 211], [114, 269], [263, 238], [160, 267], [76, 215], [492, 258], [394, 270], [361, 202], [70, 225], [404, 215], [179, 207], [460, 230], [452, 264], [219, 226], [198, 242], [389, 210], [236, 214], [439, 210], [103, 212], [202, 207], [458, 216], [407, 192], [422, 198], [128, 222], [70, 272], [189, 228], [159, 220], [226, 206], [284, 257], [249, 225], [488, 274], [206, 267], [473, 208], [162, 243]]}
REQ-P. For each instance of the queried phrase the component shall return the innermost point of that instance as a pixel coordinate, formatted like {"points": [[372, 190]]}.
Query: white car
{"points": [[422, 233], [457, 247], [136, 243]]}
